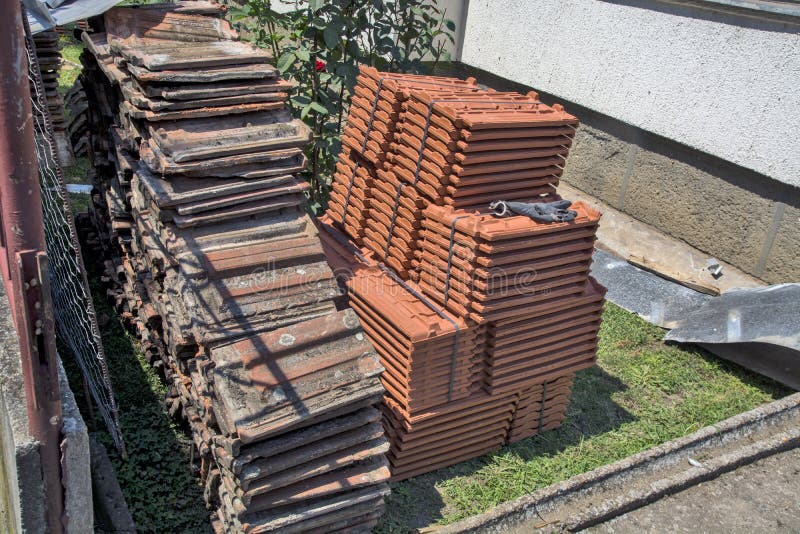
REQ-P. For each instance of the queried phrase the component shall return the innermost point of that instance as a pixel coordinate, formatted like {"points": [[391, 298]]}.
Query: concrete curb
{"points": [[623, 473], [111, 510], [76, 474]]}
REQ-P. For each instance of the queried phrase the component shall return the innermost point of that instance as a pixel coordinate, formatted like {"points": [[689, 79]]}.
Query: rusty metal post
{"points": [[23, 258]]}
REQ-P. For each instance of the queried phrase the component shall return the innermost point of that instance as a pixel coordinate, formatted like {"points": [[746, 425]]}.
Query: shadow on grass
{"points": [[158, 479], [417, 502], [762, 383]]}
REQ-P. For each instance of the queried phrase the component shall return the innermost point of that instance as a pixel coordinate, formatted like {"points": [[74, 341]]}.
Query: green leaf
{"points": [[388, 34], [301, 100], [285, 61], [318, 23], [331, 37], [238, 13], [345, 70], [319, 108], [316, 208]]}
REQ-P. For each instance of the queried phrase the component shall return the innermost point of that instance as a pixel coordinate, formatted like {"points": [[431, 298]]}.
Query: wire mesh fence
{"points": [[75, 318]]}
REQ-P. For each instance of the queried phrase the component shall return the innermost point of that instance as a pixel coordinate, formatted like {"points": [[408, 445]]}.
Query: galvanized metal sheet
{"points": [[758, 328]]}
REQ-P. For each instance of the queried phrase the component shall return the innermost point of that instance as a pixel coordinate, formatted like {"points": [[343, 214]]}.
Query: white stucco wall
{"points": [[454, 10], [727, 90]]}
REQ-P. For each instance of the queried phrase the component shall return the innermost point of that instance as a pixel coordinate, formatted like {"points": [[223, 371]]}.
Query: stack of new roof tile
{"points": [[351, 188], [225, 276], [376, 105], [541, 406], [481, 321], [467, 149], [430, 357], [492, 268], [393, 223], [546, 341], [366, 201], [437, 410]]}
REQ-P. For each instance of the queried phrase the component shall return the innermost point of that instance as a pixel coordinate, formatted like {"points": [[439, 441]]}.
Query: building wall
{"points": [[725, 84], [690, 118]]}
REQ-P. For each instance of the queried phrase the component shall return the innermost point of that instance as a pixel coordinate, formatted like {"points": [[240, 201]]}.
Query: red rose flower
{"points": [[320, 66]]}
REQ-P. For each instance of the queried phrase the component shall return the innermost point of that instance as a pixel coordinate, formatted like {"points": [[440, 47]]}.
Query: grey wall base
{"points": [[591, 498], [734, 214], [706, 207]]}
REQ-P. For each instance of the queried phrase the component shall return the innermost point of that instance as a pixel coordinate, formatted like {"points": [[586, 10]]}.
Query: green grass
{"points": [[157, 479], [71, 66], [642, 393], [77, 173]]}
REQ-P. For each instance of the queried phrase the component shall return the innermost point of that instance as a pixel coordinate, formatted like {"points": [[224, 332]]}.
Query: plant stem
{"points": [[317, 128]]}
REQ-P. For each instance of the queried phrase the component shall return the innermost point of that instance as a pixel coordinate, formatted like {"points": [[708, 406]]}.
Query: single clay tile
{"points": [[274, 381]]}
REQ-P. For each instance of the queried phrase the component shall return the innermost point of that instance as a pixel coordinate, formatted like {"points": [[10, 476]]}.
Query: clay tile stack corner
{"points": [[480, 321]]}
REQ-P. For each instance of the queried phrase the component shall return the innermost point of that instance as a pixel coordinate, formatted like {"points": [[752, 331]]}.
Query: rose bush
{"points": [[320, 45]]}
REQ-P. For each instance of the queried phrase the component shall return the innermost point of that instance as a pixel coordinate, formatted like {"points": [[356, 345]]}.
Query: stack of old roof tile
{"points": [[48, 55], [480, 321], [224, 275]]}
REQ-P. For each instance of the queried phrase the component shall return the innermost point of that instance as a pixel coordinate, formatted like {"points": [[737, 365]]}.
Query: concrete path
{"points": [[761, 497]]}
